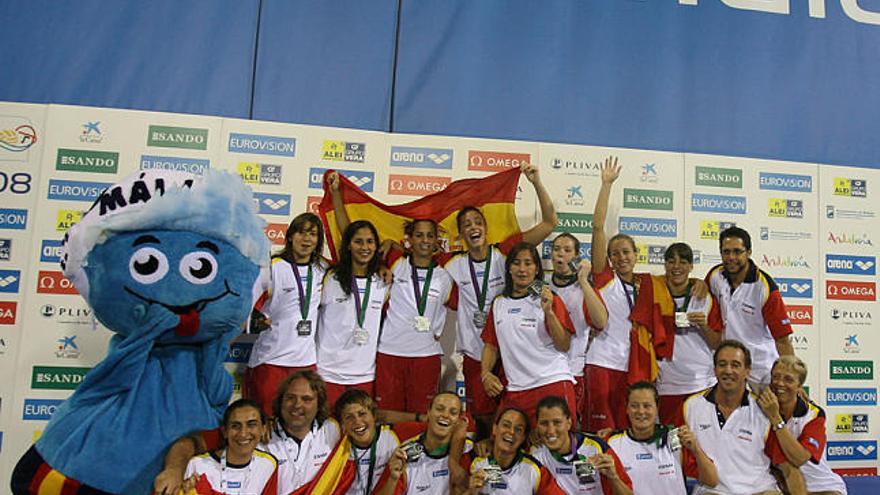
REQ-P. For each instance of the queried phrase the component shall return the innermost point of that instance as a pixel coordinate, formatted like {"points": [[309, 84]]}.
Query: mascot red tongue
{"points": [[189, 324]]}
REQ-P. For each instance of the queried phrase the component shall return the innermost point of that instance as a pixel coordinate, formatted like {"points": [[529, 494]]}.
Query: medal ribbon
{"points": [[481, 291], [305, 296], [421, 301], [687, 299], [359, 307]]}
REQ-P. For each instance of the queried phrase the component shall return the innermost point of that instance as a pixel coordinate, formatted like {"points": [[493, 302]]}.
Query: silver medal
{"points": [[361, 336], [479, 319], [422, 324], [304, 328]]}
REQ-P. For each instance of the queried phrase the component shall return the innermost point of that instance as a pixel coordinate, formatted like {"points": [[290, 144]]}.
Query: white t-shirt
{"points": [[654, 470], [563, 471], [807, 425], [257, 477], [281, 345], [299, 462], [385, 446], [610, 347], [573, 296], [430, 474], [526, 475], [399, 334], [690, 369], [517, 327], [341, 359]]}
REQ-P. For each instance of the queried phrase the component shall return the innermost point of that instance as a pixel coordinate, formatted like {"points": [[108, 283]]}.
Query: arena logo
{"points": [[39, 409], [54, 282], [574, 223], [851, 423], [850, 291], [416, 185], [260, 173], [850, 265], [853, 188], [50, 251], [72, 190], [101, 162], [362, 179], [64, 219], [719, 177], [17, 135], [7, 312], [799, 314], [795, 287], [718, 204], [851, 370], [851, 238], [5, 249], [272, 204], [710, 229], [778, 261], [343, 151], [785, 182], [13, 219], [785, 208], [91, 132], [851, 344], [57, 377], [67, 348], [9, 281], [653, 227], [851, 317], [647, 199], [196, 166], [864, 450], [177, 137], [815, 8], [262, 145], [495, 161], [276, 232], [851, 396], [409, 156]]}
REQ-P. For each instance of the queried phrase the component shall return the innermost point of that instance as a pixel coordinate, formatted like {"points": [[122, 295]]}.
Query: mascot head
{"points": [[169, 254]]}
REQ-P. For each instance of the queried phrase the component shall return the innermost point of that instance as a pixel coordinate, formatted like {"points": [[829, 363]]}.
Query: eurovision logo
{"points": [[547, 250], [100, 162], [416, 185], [196, 166], [410, 156], [850, 265], [851, 396], [496, 161], [177, 137], [718, 204], [262, 145], [785, 182], [39, 409], [652, 227], [849, 290], [853, 188], [719, 177], [72, 190], [342, 151], [13, 219]]}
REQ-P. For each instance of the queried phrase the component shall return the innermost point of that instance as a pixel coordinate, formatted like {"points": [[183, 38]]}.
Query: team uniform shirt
{"points": [[399, 334], [259, 476], [690, 369], [341, 359], [610, 347], [429, 474], [754, 314], [573, 297], [300, 461], [526, 475], [740, 447], [519, 329], [385, 445], [653, 467], [281, 345], [562, 467], [807, 424], [458, 266]]}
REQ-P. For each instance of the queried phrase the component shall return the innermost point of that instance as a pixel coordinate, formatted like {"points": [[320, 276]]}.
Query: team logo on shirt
{"points": [[440, 473], [646, 456]]}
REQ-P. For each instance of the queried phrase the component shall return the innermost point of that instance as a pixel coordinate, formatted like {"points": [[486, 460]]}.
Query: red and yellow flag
{"points": [[653, 328], [493, 195], [335, 476]]}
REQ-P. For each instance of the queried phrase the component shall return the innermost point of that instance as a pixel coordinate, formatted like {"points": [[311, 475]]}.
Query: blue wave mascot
{"points": [[169, 262]]}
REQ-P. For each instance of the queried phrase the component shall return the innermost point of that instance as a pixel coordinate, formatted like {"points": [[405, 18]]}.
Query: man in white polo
{"points": [[733, 430]]}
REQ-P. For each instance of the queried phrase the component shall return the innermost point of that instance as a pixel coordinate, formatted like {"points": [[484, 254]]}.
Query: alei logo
{"points": [[101, 162], [851, 370], [574, 223], [91, 132], [7, 312], [710, 229], [647, 199], [718, 204], [850, 265], [409, 156], [864, 450], [795, 287], [50, 251], [13, 219], [272, 204], [799, 314], [53, 282], [71, 190], [39, 409], [360, 178], [853, 188], [57, 377], [719, 177], [416, 185], [276, 232], [341, 151], [851, 396], [260, 173], [195, 166], [654, 227], [177, 137], [9, 281], [496, 161], [851, 423], [850, 290], [785, 208], [65, 219], [785, 182], [263, 145], [17, 134]]}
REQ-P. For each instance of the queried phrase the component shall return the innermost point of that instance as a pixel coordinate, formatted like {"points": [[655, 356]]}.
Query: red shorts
{"points": [[580, 402], [478, 401], [406, 383], [606, 395], [334, 390], [671, 412], [261, 383], [527, 400]]}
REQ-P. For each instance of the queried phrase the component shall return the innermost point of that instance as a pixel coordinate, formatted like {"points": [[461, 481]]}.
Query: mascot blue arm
{"points": [[175, 297]]}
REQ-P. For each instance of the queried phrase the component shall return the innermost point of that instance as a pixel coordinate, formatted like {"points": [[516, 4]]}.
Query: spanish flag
{"points": [[335, 476], [653, 328], [493, 195]]}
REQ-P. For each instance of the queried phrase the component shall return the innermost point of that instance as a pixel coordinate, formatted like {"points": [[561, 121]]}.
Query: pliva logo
{"points": [[815, 8]]}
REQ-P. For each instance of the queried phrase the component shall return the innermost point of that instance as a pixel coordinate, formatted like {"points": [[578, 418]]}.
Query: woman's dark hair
{"points": [[410, 226], [342, 272], [566, 235], [733, 344], [624, 237], [353, 396], [738, 233], [550, 402], [681, 250], [315, 383], [525, 418], [643, 385], [462, 212], [514, 251], [241, 404], [299, 224]]}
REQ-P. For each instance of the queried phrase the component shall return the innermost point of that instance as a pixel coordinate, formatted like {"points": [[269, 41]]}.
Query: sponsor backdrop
{"points": [[814, 229]]}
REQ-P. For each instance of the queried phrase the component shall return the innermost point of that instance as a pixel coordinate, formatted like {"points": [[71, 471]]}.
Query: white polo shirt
{"points": [[517, 327], [807, 424], [385, 446], [281, 344], [690, 369], [562, 468], [753, 314], [299, 462], [399, 334], [257, 477], [653, 467], [341, 359], [525, 475], [429, 474], [610, 347], [573, 297], [739, 449]]}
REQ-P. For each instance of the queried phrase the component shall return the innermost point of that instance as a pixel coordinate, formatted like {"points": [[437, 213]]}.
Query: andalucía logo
{"points": [[13, 219], [777, 261], [7, 312], [496, 161], [57, 377], [719, 177], [9, 281], [16, 134], [101, 162], [342, 151], [851, 370], [799, 315], [272, 204], [647, 199], [718, 204], [785, 208], [574, 223], [850, 290], [850, 265], [654, 227], [853, 188], [851, 397], [852, 238], [40, 409], [262, 145], [795, 287], [195, 166], [862, 450], [177, 137], [408, 156], [785, 182], [72, 190]]}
